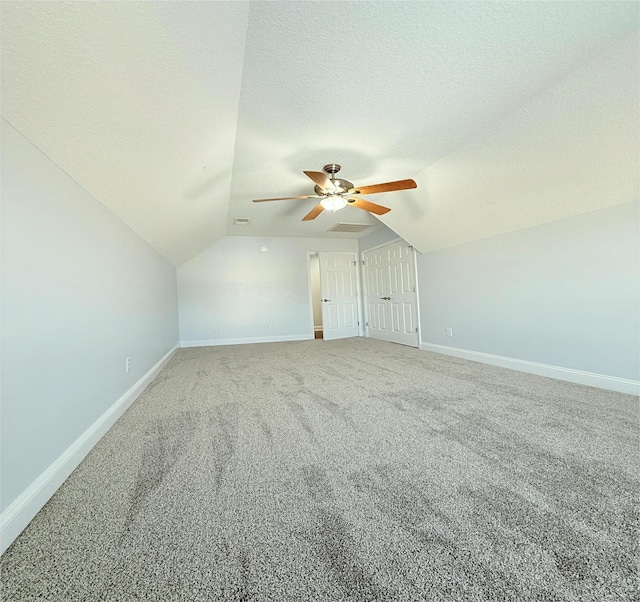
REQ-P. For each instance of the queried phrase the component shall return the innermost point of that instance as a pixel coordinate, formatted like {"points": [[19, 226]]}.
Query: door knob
{"points": [[326, 300]]}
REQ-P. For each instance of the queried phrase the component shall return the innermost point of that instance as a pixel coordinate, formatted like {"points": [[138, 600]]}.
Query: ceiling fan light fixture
{"points": [[333, 202]]}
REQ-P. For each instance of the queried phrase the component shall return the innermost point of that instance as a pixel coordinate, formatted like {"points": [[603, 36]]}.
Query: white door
{"points": [[390, 294], [376, 287], [402, 300], [339, 295]]}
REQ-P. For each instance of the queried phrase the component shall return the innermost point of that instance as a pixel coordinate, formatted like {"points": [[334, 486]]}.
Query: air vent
{"points": [[339, 227], [241, 221]]}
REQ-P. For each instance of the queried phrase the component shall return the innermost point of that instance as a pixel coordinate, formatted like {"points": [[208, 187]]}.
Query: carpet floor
{"points": [[345, 470]]}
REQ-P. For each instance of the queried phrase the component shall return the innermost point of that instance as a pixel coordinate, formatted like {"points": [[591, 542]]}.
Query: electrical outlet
{"points": [[449, 332], [127, 365]]}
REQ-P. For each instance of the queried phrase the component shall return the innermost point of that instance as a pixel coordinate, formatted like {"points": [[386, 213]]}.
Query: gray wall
{"points": [[249, 294], [80, 293], [564, 293], [378, 237]]}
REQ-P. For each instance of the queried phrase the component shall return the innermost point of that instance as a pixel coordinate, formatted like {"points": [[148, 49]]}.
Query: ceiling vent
{"points": [[339, 227], [241, 221]]}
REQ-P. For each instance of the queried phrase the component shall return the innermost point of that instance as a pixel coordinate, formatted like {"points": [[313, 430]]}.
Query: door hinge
{"points": [[366, 323], [416, 329]]}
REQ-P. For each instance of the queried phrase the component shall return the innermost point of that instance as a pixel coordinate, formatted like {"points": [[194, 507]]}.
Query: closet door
{"points": [[390, 294]]}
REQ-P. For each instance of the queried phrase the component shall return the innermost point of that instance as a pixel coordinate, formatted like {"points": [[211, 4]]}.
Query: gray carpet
{"points": [[345, 470]]}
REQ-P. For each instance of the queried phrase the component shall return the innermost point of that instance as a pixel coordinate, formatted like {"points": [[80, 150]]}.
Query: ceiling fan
{"points": [[335, 193]]}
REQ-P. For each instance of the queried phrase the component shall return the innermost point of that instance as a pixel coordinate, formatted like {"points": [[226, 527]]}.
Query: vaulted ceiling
{"points": [[175, 115]]}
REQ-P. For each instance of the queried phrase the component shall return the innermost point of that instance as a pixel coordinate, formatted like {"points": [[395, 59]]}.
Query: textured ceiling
{"points": [[175, 115]]}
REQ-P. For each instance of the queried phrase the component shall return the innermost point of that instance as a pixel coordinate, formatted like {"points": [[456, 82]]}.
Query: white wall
{"points": [[564, 294], [80, 293], [251, 295]]}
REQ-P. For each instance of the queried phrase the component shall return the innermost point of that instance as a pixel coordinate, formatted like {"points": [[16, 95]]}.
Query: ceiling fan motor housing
{"points": [[340, 187]]}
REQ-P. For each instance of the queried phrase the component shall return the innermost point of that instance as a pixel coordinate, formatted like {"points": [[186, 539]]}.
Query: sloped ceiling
{"points": [[175, 115]]}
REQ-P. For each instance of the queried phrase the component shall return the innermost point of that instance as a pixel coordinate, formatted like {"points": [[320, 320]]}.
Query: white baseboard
{"points": [[276, 339], [591, 379], [20, 513]]}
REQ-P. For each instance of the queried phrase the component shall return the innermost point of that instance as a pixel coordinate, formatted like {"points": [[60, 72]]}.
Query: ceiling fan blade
{"points": [[385, 187], [315, 212], [320, 179], [368, 206], [288, 198]]}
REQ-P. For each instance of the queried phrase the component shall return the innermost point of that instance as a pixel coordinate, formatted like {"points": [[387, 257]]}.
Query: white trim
{"points": [[246, 341], [362, 329], [20, 513], [591, 379], [417, 291]]}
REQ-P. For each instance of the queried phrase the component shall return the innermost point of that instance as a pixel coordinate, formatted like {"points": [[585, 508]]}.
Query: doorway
{"points": [[316, 294]]}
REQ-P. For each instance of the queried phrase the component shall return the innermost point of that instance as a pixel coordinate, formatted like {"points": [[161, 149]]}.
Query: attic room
{"points": [[187, 411]]}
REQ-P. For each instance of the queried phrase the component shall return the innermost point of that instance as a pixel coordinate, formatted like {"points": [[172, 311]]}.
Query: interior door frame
{"points": [[365, 315]]}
